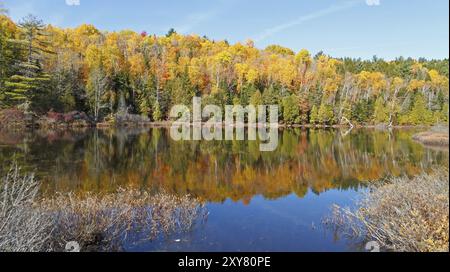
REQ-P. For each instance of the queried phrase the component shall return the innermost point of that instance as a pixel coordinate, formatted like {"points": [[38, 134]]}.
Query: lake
{"points": [[257, 201]]}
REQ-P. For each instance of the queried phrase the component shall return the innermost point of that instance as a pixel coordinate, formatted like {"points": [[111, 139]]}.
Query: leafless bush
{"points": [[97, 222], [103, 222], [433, 138], [401, 214], [123, 118], [23, 227]]}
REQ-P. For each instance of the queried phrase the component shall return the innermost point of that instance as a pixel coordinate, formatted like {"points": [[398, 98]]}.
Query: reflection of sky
{"points": [[411, 28], [287, 224]]}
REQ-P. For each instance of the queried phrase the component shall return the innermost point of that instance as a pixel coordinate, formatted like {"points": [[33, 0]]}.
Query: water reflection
{"points": [[316, 160]]}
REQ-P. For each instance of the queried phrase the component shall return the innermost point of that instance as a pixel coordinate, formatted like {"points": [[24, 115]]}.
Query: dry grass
{"points": [[103, 223], [96, 222], [432, 138], [401, 215], [12, 118], [437, 136], [23, 227]]}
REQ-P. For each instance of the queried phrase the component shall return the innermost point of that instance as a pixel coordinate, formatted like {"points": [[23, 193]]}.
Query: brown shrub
{"points": [[401, 214], [12, 118], [95, 222], [432, 138], [56, 120], [23, 227], [103, 222]]}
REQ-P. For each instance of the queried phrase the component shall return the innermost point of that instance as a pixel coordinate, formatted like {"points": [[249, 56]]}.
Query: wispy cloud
{"points": [[305, 18], [195, 19]]}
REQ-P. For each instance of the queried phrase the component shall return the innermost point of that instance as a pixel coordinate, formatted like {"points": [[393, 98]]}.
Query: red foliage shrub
{"points": [[11, 117], [54, 116], [69, 117]]}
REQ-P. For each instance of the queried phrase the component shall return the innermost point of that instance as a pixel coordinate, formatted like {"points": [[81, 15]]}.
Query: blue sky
{"points": [[354, 28]]}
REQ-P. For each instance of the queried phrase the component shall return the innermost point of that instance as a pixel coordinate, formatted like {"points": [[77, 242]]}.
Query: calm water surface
{"points": [[258, 201]]}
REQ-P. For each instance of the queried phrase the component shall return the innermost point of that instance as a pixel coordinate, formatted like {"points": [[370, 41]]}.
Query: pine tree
{"points": [[380, 115], [270, 96], [7, 54], [182, 90], [144, 106], [419, 113], [3, 44], [326, 114], [256, 99], [314, 116], [444, 114], [29, 80], [291, 112], [346, 110], [157, 114]]}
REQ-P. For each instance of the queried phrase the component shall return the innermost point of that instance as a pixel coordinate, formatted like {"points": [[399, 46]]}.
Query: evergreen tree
{"points": [[144, 104], [314, 116], [256, 99], [443, 117], [380, 114], [29, 79], [419, 113], [157, 114], [291, 112], [362, 112], [346, 110], [3, 51], [271, 96], [245, 94], [171, 32], [182, 91], [326, 114]]}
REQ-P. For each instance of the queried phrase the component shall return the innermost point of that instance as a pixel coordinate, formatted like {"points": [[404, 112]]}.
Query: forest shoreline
{"points": [[130, 79], [16, 119], [169, 124]]}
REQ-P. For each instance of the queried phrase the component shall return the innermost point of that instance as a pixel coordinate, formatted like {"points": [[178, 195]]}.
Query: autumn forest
{"points": [[93, 95], [97, 72]]}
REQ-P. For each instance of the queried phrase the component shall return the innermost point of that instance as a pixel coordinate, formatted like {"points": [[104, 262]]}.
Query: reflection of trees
{"points": [[316, 160]]}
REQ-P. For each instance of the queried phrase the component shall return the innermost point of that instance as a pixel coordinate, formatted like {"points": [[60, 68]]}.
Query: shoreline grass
{"points": [[432, 138], [437, 136], [29, 223], [400, 214]]}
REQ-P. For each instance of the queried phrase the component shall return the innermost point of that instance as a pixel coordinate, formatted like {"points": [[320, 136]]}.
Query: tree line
{"points": [[101, 73]]}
